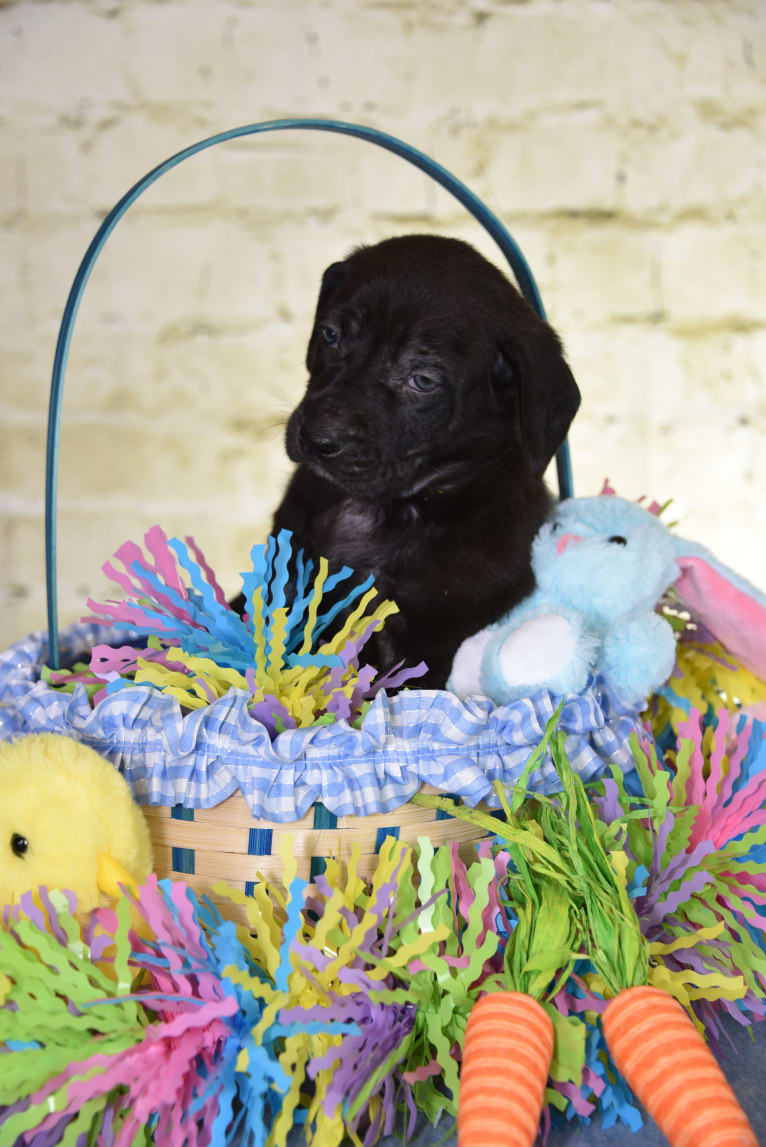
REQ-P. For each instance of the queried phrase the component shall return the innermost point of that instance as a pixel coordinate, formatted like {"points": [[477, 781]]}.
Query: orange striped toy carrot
{"points": [[506, 1056], [668, 1065]]}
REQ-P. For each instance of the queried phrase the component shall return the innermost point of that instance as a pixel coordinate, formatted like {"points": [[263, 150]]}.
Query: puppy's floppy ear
{"points": [[331, 280], [533, 367]]}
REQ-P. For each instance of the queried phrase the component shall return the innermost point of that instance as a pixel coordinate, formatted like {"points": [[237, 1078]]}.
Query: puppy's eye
{"points": [[422, 383], [19, 844], [330, 335], [618, 540]]}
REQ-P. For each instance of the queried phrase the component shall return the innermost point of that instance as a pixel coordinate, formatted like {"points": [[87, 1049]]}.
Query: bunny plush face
{"points": [[604, 556], [601, 565]]}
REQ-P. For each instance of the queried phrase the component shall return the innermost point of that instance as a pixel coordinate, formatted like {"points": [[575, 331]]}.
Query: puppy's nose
{"points": [[321, 442]]}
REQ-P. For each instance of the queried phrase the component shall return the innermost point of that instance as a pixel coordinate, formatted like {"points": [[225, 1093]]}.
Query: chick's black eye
{"points": [[330, 335], [422, 383], [618, 540], [19, 844]]}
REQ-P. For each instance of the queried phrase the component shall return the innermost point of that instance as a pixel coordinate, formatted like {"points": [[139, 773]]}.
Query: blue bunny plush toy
{"points": [[601, 566]]}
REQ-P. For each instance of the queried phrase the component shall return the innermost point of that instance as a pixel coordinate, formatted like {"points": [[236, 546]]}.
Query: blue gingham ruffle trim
{"points": [[416, 737]]}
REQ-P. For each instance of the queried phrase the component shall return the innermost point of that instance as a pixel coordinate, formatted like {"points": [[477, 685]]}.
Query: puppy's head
{"points": [[425, 365]]}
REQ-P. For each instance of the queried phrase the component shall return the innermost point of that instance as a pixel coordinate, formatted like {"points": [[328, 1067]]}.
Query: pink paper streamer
{"points": [[210, 577]]}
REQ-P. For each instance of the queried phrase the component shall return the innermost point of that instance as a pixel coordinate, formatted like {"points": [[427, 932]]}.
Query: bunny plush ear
{"points": [[733, 610]]}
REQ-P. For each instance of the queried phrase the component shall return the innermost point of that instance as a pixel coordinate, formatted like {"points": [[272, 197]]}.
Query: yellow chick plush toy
{"points": [[67, 820]]}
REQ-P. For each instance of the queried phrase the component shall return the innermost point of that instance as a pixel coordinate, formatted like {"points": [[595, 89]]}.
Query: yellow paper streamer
{"points": [[263, 934], [313, 609], [259, 638], [689, 940], [278, 643], [707, 675]]}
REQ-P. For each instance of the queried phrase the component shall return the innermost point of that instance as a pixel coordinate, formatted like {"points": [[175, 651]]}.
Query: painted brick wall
{"points": [[623, 142]]}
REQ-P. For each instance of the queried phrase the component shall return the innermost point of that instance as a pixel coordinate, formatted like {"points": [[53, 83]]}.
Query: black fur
{"points": [[435, 401]]}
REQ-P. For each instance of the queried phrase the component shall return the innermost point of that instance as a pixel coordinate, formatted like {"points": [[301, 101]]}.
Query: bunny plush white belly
{"points": [[516, 658]]}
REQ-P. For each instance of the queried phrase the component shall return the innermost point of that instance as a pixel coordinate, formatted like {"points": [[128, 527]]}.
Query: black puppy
{"points": [[435, 401]]}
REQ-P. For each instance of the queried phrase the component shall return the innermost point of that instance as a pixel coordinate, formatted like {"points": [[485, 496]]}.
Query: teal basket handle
{"points": [[471, 202]]}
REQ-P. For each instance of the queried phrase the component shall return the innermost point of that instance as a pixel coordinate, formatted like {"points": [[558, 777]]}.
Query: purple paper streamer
{"points": [[571, 1092]]}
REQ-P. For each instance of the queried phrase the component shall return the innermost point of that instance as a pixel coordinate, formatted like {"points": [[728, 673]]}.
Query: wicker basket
{"points": [[226, 843]]}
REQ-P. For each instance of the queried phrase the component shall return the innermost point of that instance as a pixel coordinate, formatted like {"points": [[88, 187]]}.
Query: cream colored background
{"points": [[622, 141]]}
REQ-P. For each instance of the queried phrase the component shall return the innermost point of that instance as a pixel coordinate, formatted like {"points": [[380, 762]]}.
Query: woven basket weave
{"points": [[226, 843]]}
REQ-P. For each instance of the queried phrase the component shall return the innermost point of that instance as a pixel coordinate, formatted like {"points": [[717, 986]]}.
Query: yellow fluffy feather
{"points": [[67, 820]]}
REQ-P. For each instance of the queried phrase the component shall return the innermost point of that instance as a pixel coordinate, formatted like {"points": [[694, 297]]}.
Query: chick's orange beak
{"points": [[111, 875]]}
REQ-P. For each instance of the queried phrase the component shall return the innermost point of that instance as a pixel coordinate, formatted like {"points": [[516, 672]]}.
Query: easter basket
{"points": [[221, 791]]}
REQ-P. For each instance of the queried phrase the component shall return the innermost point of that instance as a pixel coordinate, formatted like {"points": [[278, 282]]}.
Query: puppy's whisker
{"points": [[274, 424]]}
